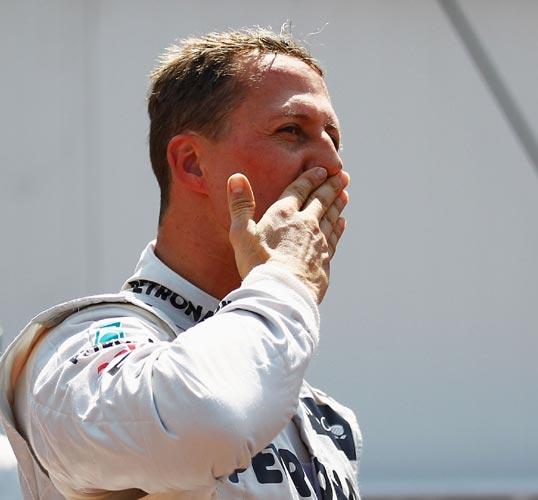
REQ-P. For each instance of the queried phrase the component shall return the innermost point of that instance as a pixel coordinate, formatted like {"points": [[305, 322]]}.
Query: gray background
{"points": [[430, 328]]}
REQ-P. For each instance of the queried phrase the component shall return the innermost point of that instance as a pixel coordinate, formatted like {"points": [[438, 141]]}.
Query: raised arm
{"points": [[157, 415]]}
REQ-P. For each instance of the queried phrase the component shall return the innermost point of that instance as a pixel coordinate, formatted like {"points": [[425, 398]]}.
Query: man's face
{"points": [[284, 126]]}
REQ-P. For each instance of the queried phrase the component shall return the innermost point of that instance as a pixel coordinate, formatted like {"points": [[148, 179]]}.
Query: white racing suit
{"points": [[161, 392]]}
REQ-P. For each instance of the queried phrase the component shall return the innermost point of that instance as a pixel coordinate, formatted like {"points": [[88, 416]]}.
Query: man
{"points": [[161, 390]]}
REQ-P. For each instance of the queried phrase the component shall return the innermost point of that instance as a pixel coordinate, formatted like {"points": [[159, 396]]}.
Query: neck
{"points": [[200, 253]]}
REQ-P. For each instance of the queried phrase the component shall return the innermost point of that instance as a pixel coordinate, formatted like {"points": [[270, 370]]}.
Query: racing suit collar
{"points": [[156, 284]]}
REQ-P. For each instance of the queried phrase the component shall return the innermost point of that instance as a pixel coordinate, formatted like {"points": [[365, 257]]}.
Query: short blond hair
{"points": [[199, 81]]}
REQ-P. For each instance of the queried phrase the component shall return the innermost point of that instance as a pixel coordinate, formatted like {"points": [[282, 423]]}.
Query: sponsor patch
{"points": [[326, 421], [85, 353], [108, 332]]}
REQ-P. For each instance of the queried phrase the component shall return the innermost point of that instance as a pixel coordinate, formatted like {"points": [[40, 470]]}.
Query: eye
{"points": [[290, 129]]}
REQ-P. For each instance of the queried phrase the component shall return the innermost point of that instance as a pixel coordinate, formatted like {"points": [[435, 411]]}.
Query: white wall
{"points": [[429, 331]]}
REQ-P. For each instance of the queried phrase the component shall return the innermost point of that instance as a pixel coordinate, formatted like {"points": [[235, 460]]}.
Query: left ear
{"points": [[182, 154]]}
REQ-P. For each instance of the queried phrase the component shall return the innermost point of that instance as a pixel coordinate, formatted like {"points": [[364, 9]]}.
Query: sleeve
{"points": [[133, 410]]}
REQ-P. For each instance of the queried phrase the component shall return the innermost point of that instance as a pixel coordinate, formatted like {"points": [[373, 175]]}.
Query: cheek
{"points": [[219, 169], [269, 187], [270, 174], [269, 170]]}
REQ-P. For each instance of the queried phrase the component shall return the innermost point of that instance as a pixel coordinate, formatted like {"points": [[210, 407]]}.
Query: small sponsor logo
{"points": [[108, 332], [325, 420], [337, 431], [105, 345], [115, 364]]}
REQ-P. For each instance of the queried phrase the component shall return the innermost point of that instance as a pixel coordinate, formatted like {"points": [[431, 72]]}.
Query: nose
{"points": [[323, 153]]}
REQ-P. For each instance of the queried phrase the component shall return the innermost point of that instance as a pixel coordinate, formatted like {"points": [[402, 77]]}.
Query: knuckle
{"points": [[339, 204], [285, 211], [333, 239], [306, 182], [336, 182], [312, 224], [340, 226], [302, 187], [319, 202], [325, 227], [242, 205], [332, 214]]}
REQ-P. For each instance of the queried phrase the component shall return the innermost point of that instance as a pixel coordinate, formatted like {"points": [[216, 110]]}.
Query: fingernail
{"points": [[320, 172], [236, 185]]}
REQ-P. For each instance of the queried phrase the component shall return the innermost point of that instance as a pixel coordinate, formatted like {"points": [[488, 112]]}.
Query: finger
{"points": [[327, 222], [332, 214], [241, 203], [335, 236], [323, 197], [299, 190], [332, 242]]}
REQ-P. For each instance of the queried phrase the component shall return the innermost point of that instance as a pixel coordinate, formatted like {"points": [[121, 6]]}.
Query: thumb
{"points": [[243, 234], [241, 204]]}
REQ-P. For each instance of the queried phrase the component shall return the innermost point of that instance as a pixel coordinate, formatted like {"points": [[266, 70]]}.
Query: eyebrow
{"points": [[303, 116]]}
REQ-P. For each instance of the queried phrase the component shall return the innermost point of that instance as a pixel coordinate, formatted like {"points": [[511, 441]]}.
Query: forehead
{"points": [[288, 86]]}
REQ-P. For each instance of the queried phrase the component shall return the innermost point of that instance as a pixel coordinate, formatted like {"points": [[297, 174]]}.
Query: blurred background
{"points": [[430, 329]]}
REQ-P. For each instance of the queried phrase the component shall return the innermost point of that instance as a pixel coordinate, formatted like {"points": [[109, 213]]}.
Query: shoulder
{"points": [[93, 335]]}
